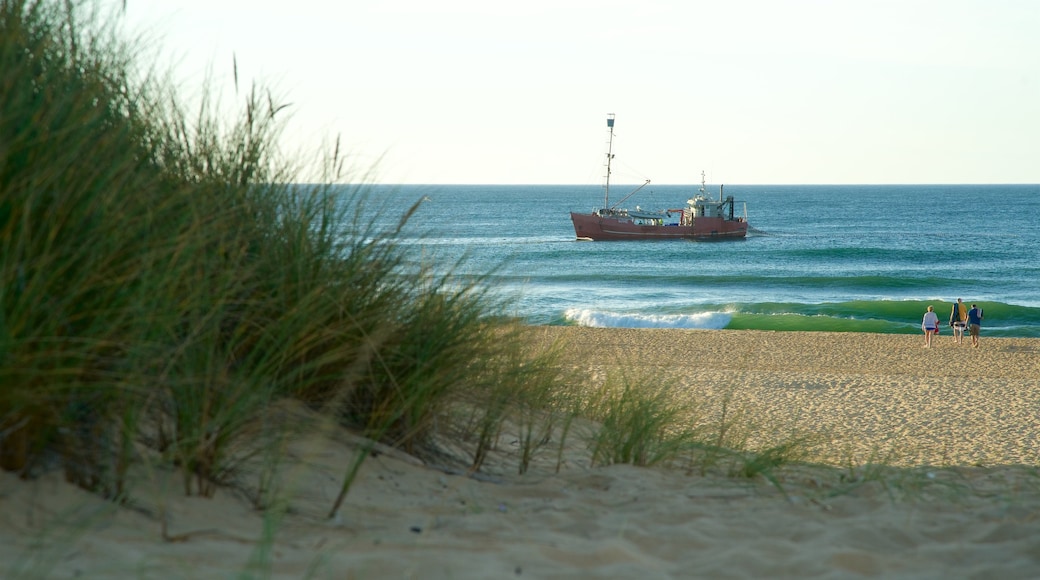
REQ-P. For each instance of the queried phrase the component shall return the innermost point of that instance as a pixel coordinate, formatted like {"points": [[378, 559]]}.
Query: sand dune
{"points": [[950, 407]]}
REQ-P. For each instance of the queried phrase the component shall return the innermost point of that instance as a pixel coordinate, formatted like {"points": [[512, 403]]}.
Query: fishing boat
{"points": [[702, 218]]}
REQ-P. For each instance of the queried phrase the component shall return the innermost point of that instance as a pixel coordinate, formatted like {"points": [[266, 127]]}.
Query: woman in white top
{"points": [[930, 326]]}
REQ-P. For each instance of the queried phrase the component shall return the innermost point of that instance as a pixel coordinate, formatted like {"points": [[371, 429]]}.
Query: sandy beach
{"points": [[950, 404], [957, 494]]}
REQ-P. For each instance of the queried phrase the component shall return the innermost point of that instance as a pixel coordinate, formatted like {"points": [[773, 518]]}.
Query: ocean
{"points": [[851, 258]]}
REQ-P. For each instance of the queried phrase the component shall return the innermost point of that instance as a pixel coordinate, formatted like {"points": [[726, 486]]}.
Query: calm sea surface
{"points": [[837, 258]]}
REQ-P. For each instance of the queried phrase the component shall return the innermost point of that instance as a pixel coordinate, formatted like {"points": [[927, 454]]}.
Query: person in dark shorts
{"points": [[974, 324], [959, 320]]}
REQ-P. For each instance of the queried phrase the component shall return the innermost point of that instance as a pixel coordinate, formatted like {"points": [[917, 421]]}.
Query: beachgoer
{"points": [[974, 324], [959, 320], [930, 326]]}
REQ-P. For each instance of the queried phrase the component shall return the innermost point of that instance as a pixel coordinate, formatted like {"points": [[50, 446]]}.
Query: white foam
{"points": [[702, 320]]}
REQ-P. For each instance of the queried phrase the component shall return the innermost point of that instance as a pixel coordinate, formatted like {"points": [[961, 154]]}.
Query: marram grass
{"points": [[163, 282]]}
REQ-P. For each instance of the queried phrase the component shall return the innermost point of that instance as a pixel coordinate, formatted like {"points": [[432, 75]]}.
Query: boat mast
{"points": [[610, 156]]}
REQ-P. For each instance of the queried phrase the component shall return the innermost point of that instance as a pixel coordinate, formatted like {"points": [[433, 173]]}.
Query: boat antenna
{"points": [[610, 156]]}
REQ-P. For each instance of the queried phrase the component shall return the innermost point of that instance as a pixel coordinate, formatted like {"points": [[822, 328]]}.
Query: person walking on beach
{"points": [[930, 325], [959, 320], [974, 324]]}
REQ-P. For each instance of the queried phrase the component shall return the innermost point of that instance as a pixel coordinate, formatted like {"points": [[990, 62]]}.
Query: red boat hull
{"points": [[588, 226]]}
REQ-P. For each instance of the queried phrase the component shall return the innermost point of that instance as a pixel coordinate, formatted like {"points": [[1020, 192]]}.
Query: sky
{"points": [[749, 91]]}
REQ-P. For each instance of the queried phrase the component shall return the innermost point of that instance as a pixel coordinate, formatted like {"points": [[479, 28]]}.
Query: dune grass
{"points": [[165, 280], [639, 423]]}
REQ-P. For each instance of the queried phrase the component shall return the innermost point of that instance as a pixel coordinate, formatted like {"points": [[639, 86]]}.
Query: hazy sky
{"points": [[751, 91]]}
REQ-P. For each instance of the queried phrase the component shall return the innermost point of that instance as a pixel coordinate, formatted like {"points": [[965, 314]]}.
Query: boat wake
{"points": [[599, 319]]}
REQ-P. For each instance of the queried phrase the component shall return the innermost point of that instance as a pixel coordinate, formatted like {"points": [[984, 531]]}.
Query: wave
{"points": [[880, 316], [599, 319]]}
